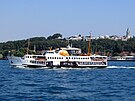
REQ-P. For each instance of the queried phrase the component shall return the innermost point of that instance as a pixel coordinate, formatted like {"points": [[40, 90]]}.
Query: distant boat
{"points": [[122, 58], [27, 60]]}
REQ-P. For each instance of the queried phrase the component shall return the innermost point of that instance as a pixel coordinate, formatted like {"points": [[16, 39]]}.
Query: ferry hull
{"points": [[38, 61], [15, 61], [33, 65], [76, 65]]}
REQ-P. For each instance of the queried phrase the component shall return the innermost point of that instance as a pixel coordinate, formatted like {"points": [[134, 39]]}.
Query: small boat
{"points": [[122, 58], [33, 61], [15, 61]]}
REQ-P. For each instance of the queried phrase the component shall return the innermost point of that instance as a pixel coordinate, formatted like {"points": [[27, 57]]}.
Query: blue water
{"points": [[114, 83]]}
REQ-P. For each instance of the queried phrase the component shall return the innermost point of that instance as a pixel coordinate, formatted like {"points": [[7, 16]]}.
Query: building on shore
{"points": [[112, 37], [128, 36]]}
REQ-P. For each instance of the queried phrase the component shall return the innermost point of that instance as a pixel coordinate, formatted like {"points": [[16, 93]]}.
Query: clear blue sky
{"points": [[21, 19]]}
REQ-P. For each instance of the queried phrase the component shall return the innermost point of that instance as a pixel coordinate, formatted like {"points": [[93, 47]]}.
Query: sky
{"points": [[22, 19]]}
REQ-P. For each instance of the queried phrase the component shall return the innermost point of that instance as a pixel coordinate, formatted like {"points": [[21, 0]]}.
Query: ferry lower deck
{"points": [[83, 64]]}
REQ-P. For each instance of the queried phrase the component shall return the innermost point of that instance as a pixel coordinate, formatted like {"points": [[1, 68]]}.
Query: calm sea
{"points": [[114, 83]]}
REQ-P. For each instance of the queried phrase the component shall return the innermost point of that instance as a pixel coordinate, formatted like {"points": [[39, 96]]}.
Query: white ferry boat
{"points": [[70, 57], [64, 57], [28, 61]]}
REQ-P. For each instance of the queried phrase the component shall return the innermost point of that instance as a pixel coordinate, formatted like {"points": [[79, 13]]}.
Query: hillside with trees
{"points": [[99, 46]]}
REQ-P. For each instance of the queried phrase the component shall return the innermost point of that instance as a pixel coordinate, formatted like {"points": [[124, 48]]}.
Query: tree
{"points": [[55, 36], [100, 45]]}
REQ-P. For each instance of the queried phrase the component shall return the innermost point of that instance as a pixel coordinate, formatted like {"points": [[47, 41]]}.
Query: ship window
{"points": [[34, 56], [66, 57]]}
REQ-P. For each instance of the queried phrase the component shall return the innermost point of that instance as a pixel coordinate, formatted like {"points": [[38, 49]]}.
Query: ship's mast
{"points": [[89, 46]]}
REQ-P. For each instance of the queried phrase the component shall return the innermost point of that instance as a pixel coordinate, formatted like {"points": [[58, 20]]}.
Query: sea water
{"points": [[114, 83]]}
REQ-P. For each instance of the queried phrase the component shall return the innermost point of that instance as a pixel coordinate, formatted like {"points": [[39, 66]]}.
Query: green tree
{"points": [[55, 36]]}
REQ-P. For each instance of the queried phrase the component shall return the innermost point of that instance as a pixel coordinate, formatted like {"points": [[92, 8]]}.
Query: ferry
{"points": [[62, 57], [72, 57]]}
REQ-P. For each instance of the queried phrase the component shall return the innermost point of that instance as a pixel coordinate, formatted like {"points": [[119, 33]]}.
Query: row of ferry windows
{"points": [[69, 58], [77, 58], [55, 57], [35, 57], [37, 62], [92, 63], [29, 57], [66, 58]]}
